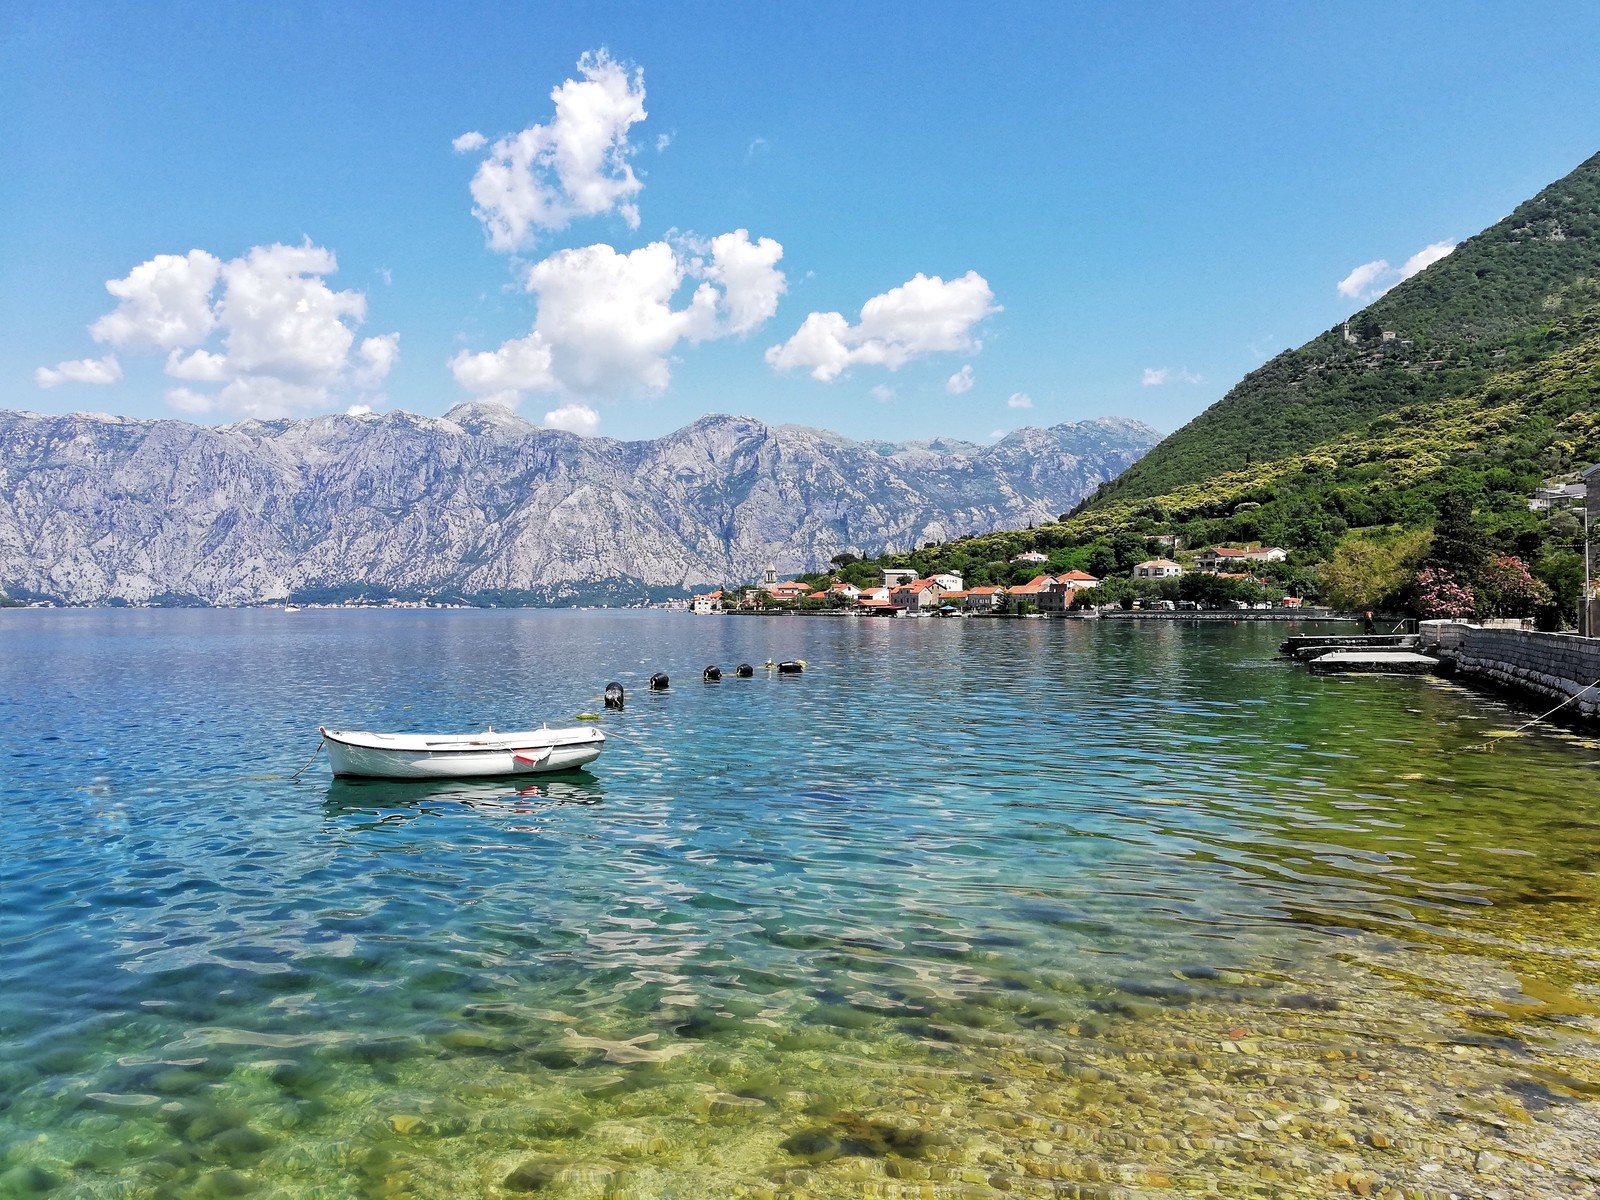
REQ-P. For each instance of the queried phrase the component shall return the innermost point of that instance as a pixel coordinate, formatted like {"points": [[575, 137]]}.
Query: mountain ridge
{"points": [[480, 502]]}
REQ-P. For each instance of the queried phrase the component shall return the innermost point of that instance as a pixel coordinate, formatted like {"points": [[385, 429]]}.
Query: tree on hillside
{"points": [[1367, 573], [1460, 544]]}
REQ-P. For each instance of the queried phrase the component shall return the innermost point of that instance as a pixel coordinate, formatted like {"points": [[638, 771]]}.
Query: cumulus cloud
{"points": [[469, 142], [520, 365], [576, 166], [1364, 278], [608, 322], [749, 277], [961, 381], [1425, 258], [1019, 400], [1159, 376], [359, 410], [925, 315], [574, 418], [80, 370], [164, 302], [286, 338], [1372, 279]]}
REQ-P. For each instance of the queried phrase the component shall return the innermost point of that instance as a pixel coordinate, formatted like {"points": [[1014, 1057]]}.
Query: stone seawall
{"points": [[1553, 666]]}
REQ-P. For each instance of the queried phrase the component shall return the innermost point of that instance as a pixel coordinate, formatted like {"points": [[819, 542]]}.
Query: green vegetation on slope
{"points": [[1341, 453], [1506, 297]]}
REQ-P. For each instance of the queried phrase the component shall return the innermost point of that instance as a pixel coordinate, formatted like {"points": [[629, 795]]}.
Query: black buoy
{"points": [[744, 670], [658, 682], [615, 697], [711, 674], [791, 666]]}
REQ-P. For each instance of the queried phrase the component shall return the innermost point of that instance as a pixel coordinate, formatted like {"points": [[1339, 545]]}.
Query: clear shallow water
{"points": [[969, 909]]}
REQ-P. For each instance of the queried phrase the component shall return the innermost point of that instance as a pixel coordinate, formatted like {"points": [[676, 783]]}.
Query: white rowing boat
{"points": [[460, 755]]}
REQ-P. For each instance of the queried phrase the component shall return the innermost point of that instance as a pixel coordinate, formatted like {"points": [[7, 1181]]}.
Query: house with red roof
{"points": [[984, 599], [1058, 597], [919, 596]]}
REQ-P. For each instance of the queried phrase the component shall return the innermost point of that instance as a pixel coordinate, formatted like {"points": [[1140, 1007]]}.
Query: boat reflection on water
{"points": [[407, 799]]}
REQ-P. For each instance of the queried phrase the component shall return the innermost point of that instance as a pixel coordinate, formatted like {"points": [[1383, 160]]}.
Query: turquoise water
{"points": [[968, 909]]}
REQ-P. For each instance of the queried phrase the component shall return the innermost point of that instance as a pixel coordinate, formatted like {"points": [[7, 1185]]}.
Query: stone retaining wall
{"points": [[1555, 666]]}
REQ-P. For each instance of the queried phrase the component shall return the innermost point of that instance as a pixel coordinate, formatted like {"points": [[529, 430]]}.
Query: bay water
{"points": [[969, 908]]}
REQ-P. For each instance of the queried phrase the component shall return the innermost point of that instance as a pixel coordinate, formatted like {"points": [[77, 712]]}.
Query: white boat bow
{"points": [[460, 755]]}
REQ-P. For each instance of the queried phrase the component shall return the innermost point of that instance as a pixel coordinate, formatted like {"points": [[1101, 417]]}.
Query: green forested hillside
{"points": [[1506, 297], [1349, 450]]}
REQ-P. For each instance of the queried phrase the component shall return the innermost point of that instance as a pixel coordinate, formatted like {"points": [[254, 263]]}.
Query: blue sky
{"points": [[1062, 210]]}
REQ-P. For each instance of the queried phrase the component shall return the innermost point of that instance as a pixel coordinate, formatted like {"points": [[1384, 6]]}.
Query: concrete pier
{"points": [[1352, 641], [1373, 662]]}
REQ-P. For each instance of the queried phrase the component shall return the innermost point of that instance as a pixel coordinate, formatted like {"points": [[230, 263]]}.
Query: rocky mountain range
{"points": [[482, 505]]}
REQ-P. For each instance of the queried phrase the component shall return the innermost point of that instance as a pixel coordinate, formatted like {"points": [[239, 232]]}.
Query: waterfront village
{"points": [[1221, 577]]}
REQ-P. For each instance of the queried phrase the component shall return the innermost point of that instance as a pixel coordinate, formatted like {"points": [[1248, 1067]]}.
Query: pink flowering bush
{"points": [[1440, 596], [1508, 589]]}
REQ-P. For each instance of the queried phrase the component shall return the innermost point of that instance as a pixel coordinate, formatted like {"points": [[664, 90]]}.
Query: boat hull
{"points": [[363, 756]]}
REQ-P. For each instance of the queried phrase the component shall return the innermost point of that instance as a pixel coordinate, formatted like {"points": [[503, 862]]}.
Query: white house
{"points": [[1030, 556], [950, 581], [1219, 557], [711, 602], [848, 590], [1558, 495], [1157, 568]]}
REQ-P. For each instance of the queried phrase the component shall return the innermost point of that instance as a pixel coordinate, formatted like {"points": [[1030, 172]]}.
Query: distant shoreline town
{"points": [[1203, 583]]}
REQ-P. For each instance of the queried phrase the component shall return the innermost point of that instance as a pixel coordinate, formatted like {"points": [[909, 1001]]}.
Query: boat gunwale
{"points": [[527, 739]]}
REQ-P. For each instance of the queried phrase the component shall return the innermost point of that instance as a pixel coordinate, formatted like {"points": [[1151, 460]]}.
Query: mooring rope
{"points": [[1529, 724], [320, 743]]}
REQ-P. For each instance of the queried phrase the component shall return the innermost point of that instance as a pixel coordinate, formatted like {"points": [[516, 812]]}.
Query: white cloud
{"points": [[469, 142], [748, 274], [922, 316], [359, 410], [1425, 258], [377, 358], [165, 302], [286, 337], [961, 381], [882, 393], [1158, 376], [520, 365], [663, 140], [1371, 280], [758, 146], [574, 418], [80, 370], [1363, 279], [1020, 400], [189, 401], [606, 322], [198, 366], [576, 166], [996, 434]]}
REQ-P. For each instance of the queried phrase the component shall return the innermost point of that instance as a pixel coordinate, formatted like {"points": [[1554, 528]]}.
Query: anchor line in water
{"points": [[1542, 716], [320, 743]]}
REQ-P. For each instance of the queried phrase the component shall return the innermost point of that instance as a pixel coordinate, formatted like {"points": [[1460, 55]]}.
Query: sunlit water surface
{"points": [[968, 909]]}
